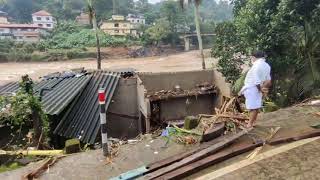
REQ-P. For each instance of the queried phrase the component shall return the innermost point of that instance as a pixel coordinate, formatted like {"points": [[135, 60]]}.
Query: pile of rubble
{"points": [[205, 88]]}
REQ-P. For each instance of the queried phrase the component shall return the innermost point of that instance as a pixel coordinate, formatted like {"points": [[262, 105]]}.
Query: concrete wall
{"points": [[168, 80], [224, 87], [130, 111], [176, 109], [123, 114]]}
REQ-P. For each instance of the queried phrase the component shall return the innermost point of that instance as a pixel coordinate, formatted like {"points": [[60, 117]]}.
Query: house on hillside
{"points": [[20, 32], [83, 19], [118, 25], [3, 18], [136, 19], [43, 19]]}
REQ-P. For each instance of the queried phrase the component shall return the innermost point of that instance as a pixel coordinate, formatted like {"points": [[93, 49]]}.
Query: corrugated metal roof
{"points": [[82, 119], [9, 88], [61, 95], [59, 91]]}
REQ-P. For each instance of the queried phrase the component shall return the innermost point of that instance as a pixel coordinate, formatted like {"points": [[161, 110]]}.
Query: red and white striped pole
{"points": [[103, 121]]}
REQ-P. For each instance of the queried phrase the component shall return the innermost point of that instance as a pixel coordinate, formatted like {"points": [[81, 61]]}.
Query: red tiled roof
{"points": [[19, 26], [41, 13]]}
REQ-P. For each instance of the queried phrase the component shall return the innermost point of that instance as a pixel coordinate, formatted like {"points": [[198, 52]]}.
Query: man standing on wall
{"points": [[256, 84]]}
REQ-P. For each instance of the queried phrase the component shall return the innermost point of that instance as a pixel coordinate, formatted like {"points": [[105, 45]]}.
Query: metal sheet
{"points": [[82, 119], [59, 94]]}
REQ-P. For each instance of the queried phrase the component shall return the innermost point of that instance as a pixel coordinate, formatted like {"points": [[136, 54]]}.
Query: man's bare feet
{"points": [[249, 125]]}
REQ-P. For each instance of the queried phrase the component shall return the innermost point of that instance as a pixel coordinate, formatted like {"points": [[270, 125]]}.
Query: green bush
{"points": [[39, 57], [18, 56], [80, 38], [3, 57], [28, 48]]}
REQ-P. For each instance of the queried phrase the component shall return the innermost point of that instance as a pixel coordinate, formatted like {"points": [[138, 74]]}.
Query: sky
{"points": [[154, 1]]}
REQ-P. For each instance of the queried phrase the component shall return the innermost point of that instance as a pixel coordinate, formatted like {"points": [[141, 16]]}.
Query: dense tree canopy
{"points": [[288, 30], [21, 10]]}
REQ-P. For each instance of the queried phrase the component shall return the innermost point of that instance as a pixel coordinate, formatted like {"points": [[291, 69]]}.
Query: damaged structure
{"points": [[135, 102]]}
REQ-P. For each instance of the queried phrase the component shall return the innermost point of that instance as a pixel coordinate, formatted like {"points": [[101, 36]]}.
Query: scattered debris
{"points": [[213, 132], [45, 166], [211, 160], [167, 94], [199, 155], [273, 132]]}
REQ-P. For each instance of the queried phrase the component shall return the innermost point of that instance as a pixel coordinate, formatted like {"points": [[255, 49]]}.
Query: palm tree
{"points": [[196, 3], [93, 21], [114, 7]]}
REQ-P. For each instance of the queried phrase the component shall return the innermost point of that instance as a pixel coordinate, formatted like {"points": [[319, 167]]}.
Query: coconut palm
{"points": [[196, 3], [93, 21], [114, 7]]}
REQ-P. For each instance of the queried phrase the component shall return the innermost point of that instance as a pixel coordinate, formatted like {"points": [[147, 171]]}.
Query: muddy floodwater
{"points": [[177, 62]]}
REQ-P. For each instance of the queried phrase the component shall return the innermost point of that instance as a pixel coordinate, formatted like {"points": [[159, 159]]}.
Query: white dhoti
{"points": [[253, 98]]}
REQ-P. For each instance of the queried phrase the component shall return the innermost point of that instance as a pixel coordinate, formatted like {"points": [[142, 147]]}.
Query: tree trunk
{"points": [[197, 19], [37, 127], [309, 54], [114, 7], [95, 28]]}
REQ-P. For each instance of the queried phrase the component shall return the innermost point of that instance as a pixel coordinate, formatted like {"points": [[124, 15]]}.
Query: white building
{"points": [[43, 19], [3, 18], [136, 19]]}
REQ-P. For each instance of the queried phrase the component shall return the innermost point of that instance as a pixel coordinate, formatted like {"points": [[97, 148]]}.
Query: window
{"points": [[41, 25], [48, 25], [48, 19], [39, 18], [116, 31], [138, 20], [116, 25]]}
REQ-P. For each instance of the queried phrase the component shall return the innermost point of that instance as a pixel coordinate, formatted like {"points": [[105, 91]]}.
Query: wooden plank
{"points": [[213, 132], [227, 153], [294, 137], [246, 162], [199, 155], [177, 157]]}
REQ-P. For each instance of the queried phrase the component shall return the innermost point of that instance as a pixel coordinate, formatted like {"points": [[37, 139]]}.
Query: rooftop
{"points": [[41, 13], [19, 26], [3, 13]]}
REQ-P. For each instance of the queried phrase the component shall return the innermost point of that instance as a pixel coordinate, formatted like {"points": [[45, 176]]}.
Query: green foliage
{"points": [[9, 167], [226, 48], [70, 36], [16, 110], [238, 84], [288, 30], [159, 31]]}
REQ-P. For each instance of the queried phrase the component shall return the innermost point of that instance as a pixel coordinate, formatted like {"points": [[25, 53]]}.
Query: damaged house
{"points": [[135, 102]]}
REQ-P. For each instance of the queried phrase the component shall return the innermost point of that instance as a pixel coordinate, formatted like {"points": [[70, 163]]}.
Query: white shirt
{"points": [[257, 74]]}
